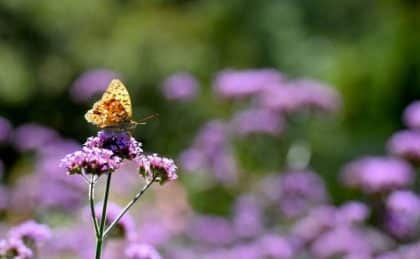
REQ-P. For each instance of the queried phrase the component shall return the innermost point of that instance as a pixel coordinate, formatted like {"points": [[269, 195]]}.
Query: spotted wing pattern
{"points": [[113, 109]]}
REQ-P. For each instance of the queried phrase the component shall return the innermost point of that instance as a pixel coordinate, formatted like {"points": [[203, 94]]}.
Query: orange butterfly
{"points": [[113, 110]]}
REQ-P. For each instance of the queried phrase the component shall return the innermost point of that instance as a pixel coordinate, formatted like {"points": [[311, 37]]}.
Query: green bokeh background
{"points": [[368, 50]]}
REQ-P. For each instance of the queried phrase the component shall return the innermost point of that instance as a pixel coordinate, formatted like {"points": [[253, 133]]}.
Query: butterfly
{"points": [[114, 111]]}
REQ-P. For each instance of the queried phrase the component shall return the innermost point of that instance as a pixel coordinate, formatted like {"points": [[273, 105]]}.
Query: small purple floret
{"points": [[161, 169], [122, 144], [94, 160]]}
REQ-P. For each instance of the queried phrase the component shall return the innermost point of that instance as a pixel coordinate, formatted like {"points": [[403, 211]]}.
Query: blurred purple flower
{"points": [[243, 251], [142, 251], [180, 86], [301, 94], [318, 96], [32, 136], [122, 144], [339, 242], [352, 212], [125, 228], [65, 193], [5, 129], [299, 191], [411, 116], [210, 151], [406, 144], [95, 161], [161, 169], [402, 218], [257, 121], [70, 241], [152, 233], [275, 246], [15, 248], [31, 233], [390, 255], [315, 223], [211, 230], [248, 217], [377, 174], [358, 255], [91, 83], [243, 83], [192, 159]]}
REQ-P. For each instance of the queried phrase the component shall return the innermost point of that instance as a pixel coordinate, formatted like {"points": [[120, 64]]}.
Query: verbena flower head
{"points": [[212, 230], [31, 233], [341, 241], [402, 218], [298, 95], [142, 251], [161, 169], [243, 83], [275, 246], [91, 83], [406, 144], [258, 121], [14, 248], [352, 212], [125, 227], [299, 191], [377, 174], [180, 86], [411, 116], [316, 222], [33, 136], [248, 217], [93, 160], [122, 144]]}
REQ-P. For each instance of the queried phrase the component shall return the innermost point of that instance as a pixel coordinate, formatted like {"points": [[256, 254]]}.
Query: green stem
{"points": [[100, 238], [92, 205], [127, 207]]}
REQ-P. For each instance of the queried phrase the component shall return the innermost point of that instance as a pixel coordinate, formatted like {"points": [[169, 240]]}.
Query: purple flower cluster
{"points": [[33, 136], [14, 248], [403, 214], [96, 161], [122, 144], [91, 83], [211, 151], [378, 174], [258, 121], [142, 251], [31, 232], [244, 83], [124, 228], [406, 144], [299, 191], [161, 169], [411, 116], [23, 240], [301, 94], [180, 86], [248, 217], [211, 230]]}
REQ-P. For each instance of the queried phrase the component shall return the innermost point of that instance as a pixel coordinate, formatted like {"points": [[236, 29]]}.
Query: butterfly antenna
{"points": [[145, 119]]}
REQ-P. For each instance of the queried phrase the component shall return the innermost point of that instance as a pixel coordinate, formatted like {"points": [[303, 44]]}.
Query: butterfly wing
{"points": [[117, 90], [113, 108]]}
